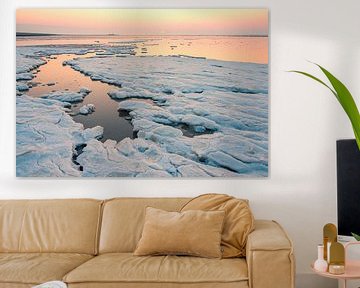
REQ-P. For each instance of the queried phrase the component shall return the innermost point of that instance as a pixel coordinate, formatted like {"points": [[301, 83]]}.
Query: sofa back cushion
{"points": [[123, 220], [66, 226]]}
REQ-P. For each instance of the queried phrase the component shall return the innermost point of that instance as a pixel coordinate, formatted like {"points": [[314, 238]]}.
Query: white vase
{"points": [[320, 264]]}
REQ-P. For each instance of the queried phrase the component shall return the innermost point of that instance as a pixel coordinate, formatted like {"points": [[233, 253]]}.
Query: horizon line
{"points": [[114, 34]]}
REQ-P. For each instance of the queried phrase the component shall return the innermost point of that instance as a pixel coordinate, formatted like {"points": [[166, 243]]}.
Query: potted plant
{"points": [[347, 102]]}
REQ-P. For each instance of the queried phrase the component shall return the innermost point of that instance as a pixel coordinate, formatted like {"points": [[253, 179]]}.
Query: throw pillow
{"points": [[238, 224], [195, 233]]}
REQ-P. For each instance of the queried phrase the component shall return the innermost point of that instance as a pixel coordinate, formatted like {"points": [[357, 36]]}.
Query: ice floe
{"points": [[26, 63], [68, 96], [24, 76], [22, 87], [234, 117], [87, 109], [47, 137], [84, 90]]}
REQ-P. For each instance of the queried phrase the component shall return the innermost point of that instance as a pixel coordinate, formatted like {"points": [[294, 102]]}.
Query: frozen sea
{"points": [[142, 107]]}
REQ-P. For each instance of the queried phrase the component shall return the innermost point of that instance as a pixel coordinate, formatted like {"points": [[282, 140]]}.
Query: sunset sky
{"points": [[144, 21]]}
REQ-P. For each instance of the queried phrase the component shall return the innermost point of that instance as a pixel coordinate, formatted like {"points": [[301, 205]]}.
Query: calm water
{"points": [[228, 48], [66, 78]]}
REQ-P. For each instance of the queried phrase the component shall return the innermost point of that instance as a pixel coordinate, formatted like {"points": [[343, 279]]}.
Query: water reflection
{"points": [[64, 78], [228, 48]]}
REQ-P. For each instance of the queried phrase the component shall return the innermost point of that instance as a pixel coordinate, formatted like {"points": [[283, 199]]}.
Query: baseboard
{"points": [[310, 280]]}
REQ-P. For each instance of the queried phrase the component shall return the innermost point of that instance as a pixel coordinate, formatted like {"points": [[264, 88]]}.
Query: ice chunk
{"points": [[144, 125], [93, 133], [167, 131], [193, 90], [99, 160], [24, 76], [130, 105], [126, 147], [65, 96], [127, 92], [26, 63], [167, 90], [192, 170], [85, 91], [87, 109], [198, 121], [22, 87], [225, 160]]}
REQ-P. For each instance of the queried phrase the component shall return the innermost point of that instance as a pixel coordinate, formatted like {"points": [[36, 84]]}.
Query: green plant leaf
{"points": [[346, 100], [356, 236], [344, 97], [316, 79]]}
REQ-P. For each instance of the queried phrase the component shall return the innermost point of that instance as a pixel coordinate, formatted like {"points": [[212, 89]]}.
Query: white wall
{"points": [[305, 120]]}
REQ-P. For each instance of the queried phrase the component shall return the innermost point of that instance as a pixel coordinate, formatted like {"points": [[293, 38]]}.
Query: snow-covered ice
{"points": [[25, 62], [84, 90], [193, 117], [67, 96], [24, 76], [231, 106], [47, 137], [87, 109], [22, 87]]}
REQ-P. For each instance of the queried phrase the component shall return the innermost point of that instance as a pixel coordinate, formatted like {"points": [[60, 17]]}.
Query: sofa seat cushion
{"points": [[36, 268], [127, 268]]}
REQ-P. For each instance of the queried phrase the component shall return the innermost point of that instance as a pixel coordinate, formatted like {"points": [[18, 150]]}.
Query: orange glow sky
{"points": [[144, 21]]}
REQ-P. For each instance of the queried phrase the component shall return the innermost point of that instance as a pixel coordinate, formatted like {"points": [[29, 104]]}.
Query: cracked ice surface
{"points": [[228, 99], [46, 138]]}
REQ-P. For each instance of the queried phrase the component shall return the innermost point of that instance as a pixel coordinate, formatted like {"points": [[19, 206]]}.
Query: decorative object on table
{"points": [[337, 258], [329, 236], [178, 93], [336, 269], [349, 270], [320, 264], [52, 284]]}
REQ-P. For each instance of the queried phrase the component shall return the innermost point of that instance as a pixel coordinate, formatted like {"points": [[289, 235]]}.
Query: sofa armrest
{"points": [[269, 256]]}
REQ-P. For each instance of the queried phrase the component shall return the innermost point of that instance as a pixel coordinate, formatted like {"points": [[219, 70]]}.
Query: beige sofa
{"points": [[89, 243]]}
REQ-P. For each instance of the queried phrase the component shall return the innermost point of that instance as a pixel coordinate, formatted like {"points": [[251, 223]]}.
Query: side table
{"points": [[352, 269]]}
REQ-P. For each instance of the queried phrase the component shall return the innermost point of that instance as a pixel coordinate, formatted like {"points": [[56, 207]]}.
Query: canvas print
{"points": [[142, 92]]}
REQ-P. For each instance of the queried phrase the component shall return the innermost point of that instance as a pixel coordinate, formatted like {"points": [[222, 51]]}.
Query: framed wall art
{"points": [[142, 92]]}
